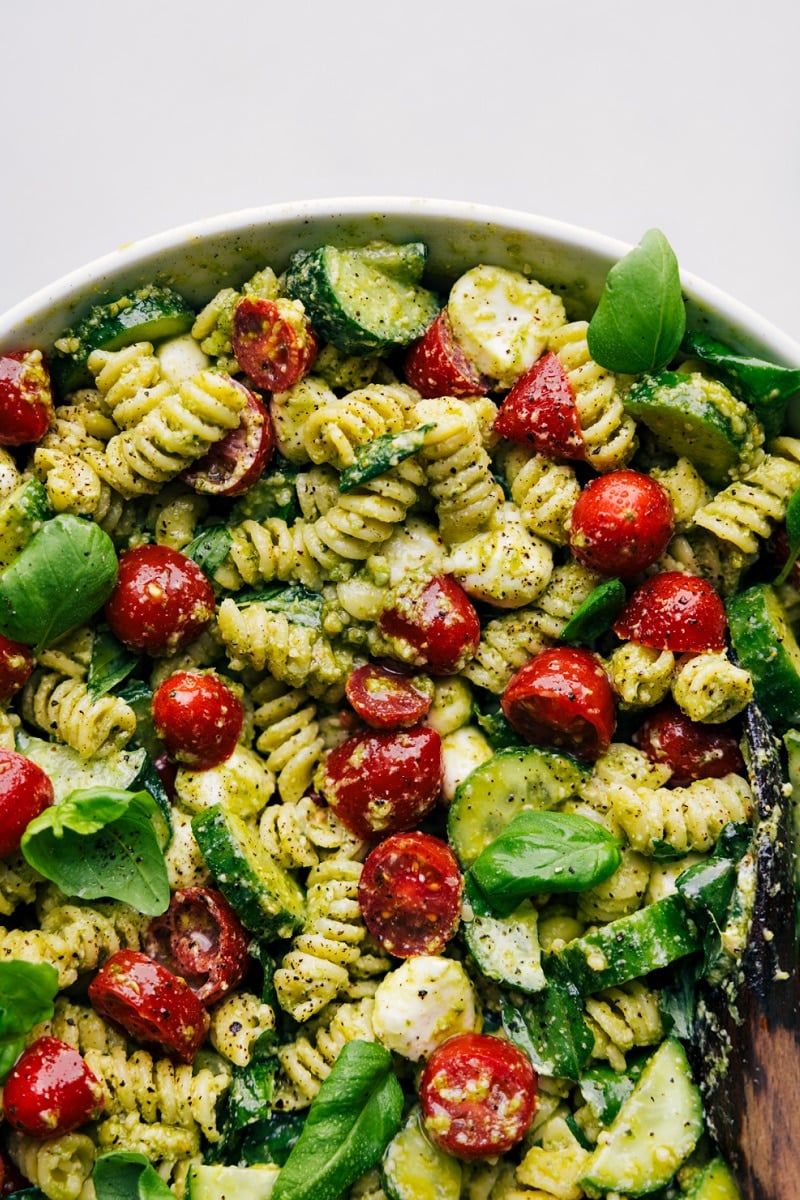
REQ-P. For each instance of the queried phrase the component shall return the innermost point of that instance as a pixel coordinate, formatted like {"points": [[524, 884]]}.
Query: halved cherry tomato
{"points": [[26, 397], [273, 342], [387, 697], [201, 939], [25, 791], [161, 600], [540, 410], [150, 1003], [438, 621], [382, 783], [16, 664], [198, 718], [690, 749], [437, 366], [51, 1090], [410, 894], [233, 464], [477, 1095], [562, 698], [621, 523], [674, 611]]}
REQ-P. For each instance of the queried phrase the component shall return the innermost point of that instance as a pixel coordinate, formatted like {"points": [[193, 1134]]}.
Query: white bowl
{"points": [[198, 258]]}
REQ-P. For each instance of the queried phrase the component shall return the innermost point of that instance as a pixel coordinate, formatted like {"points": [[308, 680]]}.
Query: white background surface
{"points": [[122, 120]]}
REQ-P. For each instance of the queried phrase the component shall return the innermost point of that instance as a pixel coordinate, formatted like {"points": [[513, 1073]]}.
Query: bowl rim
{"points": [[75, 283]]}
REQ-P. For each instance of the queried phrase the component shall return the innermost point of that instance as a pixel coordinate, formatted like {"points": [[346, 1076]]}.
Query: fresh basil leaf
{"points": [[126, 1175], [349, 1124], [302, 606], [139, 696], [604, 1090], [765, 386], [541, 851], [111, 663], [273, 495], [380, 455], [249, 1098], [103, 842], [792, 535], [498, 729], [550, 1027], [63, 576], [640, 321], [27, 992], [209, 548], [597, 613], [272, 1139]]}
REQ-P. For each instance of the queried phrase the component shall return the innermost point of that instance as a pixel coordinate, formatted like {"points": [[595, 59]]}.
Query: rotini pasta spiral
{"points": [[686, 818], [80, 1027], [334, 430], [60, 1166], [72, 938], [170, 1148], [237, 1021], [552, 1167], [504, 565], [748, 509], [17, 882], [301, 833], [687, 490], [458, 469], [622, 1018], [307, 1060], [290, 740], [64, 708], [640, 675], [623, 893], [545, 492], [709, 687]]}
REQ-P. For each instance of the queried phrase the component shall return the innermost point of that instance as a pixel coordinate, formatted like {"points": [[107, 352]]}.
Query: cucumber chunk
{"points": [[217, 1182], [631, 946], [505, 948], [21, 515], [365, 299], [714, 1182], [414, 1169], [68, 771], [654, 1132], [695, 417], [268, 899], [149, 314], [767, 647], [514, 780]]}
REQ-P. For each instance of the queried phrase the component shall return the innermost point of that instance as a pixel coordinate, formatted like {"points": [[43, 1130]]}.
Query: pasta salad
{"points": [[373, 662]]}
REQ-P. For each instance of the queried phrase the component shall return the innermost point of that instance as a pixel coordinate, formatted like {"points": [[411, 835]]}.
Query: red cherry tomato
{"points": [[437, 366], [51, 1091], [161, 600], [382, 783], [273, 342], [198, 718], [540, 410], [16, 664], [410, 894], [233, 464], [26, 398], [438, 620], [150, 1003], [690, 749], [25, 791], [562, 698], [477, 1095], [201, 939], [387, 698], [674, 611], [621, 523]]}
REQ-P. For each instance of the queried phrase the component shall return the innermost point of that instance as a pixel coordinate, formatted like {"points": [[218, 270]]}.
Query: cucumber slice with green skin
{"points": [[365, 299], [631, 946], [514, 780], [149, 314], [715, 1182], [21, 515], [217, 1182], [268, 900], [654, 1132], [414, 1169], [505, 948], [68, 771], [767, 647], [696, 418]]}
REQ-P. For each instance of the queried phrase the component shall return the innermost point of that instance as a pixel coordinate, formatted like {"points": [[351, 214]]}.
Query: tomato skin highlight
{"points": [[562, 698], [50, 1090], [674, 611], [201, 939], [410, 894], [477, 1095], [26, 398], [540, 411], [198, 718], [437, 620], [691, 749], [25, 792], [238, 460], [437, 366], [160, 602], [383, 783], [16, 665], [273, 342], [387, 697], [150, 1003], [621, 523]]}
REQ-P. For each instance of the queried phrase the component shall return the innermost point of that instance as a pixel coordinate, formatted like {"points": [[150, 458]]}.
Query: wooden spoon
{"points": [[747, 1033]]}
